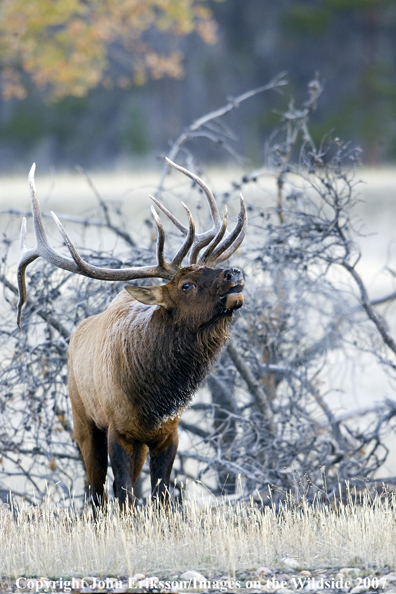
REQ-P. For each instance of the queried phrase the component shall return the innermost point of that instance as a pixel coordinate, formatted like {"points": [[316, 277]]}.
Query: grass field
{"points": [[243, 542]]}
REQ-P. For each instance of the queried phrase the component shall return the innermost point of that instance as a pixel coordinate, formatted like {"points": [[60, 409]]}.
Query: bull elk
{"points": [[134, 368]]}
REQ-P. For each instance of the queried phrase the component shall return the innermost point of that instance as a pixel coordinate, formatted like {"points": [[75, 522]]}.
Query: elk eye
{"points": [[187, 287]]}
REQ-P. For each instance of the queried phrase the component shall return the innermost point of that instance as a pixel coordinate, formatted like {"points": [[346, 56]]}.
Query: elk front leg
{"points": [[126, 461], [162, 457]]}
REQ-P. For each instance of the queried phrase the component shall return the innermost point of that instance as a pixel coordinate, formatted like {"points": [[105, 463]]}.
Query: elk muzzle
{"points": [[231, 283]]}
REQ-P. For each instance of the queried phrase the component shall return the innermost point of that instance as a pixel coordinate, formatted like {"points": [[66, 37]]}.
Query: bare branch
{"points": [[368, 307], [276, 83], [252, 383]]}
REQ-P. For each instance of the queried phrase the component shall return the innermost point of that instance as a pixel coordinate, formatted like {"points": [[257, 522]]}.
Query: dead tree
{"points": [[263, 417]]}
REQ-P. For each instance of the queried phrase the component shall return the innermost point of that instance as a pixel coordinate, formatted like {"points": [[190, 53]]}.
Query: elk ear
{"points": [[148, 295]]}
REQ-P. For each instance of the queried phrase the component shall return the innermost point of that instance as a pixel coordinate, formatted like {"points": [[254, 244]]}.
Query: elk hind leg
{"points": [[92, 442]]}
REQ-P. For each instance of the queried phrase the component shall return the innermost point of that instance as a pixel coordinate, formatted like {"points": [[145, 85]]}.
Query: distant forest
{"points": [[349, 44]]}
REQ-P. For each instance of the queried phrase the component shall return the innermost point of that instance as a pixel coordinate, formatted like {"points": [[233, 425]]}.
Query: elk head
{"points": [[183, 291]]}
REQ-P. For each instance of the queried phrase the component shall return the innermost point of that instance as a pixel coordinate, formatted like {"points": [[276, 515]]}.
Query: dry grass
{"points": [[50, 541]]}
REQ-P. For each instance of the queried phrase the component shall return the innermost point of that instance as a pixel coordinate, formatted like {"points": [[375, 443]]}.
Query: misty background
{"points": [[350, 44]]}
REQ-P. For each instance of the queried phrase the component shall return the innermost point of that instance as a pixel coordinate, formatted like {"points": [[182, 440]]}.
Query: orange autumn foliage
{"points": [[66, 48]]}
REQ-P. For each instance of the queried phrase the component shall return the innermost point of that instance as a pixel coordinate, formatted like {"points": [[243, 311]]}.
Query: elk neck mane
{"points": [[160, 364]]}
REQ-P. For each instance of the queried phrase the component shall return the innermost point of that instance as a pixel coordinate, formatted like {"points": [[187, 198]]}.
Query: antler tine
{"points": [[216, 240], [160, 238], [190, 232], [208, 193], [170, 216], [232, 242], [23, 239], [113, 274], [42, 248], [188, 242]]}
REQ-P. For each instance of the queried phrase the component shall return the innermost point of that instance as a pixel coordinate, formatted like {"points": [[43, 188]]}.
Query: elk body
{"points": [[134, 368]]}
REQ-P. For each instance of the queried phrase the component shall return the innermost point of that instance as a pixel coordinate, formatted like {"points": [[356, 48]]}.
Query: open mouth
{"points": [[233, 299]]}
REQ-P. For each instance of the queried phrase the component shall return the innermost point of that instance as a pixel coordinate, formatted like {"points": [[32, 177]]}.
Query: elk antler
{"points": [[226, 248], [220, 248]]}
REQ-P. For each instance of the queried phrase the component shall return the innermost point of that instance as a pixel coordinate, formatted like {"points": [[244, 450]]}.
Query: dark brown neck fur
{"points": [[161, 378]]}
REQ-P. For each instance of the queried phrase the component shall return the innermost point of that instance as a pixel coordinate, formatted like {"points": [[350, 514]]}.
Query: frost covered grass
{"points": [[214, 540]]}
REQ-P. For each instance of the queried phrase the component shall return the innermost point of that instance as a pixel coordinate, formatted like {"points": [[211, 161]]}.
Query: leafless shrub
{"points": [[268, 421]]}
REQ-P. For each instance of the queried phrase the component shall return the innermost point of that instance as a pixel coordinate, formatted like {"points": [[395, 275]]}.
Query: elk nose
{"points": [[233, 275]]}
